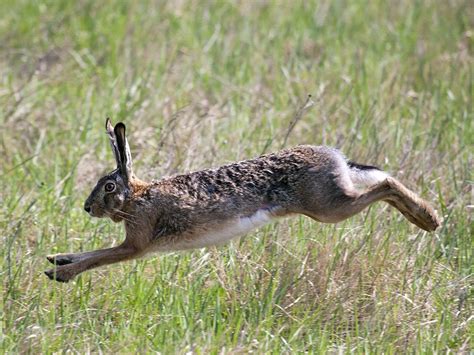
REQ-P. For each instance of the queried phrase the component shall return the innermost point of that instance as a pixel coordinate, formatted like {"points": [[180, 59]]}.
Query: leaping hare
{"points": [[209, 207]]}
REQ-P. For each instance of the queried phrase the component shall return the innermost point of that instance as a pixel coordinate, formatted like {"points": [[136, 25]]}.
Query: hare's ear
{"points": [[113, 141], [125, 166]]}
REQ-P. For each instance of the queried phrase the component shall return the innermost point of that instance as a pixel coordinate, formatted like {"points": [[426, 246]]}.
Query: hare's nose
{"points": [[87, 208]]}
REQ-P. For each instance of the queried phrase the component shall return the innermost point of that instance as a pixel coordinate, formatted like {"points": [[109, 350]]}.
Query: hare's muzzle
{"points": [[87, 208]]}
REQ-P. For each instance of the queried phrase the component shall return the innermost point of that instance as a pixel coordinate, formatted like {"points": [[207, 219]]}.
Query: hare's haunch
{"points": [[212, 206]]}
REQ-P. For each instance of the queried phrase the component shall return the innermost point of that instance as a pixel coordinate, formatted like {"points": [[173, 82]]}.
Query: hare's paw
{"points": [[60, 259], [61, 274]]}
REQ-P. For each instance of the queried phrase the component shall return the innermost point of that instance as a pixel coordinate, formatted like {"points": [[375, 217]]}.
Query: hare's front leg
{"points": [[64, 259], [89, 260]]}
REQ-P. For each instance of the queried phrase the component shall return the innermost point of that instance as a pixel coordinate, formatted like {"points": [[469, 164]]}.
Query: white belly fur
{"points": [[222, 233]]}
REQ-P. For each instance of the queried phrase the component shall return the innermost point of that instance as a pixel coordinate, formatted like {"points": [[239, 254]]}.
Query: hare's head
{"points": [[113, 190]]}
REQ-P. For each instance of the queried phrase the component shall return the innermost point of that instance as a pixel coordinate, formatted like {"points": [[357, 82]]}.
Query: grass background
{"points": [[204, 83]]}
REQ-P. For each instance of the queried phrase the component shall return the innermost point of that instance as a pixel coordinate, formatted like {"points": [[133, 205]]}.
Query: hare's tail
{"points": [[365, 175]]}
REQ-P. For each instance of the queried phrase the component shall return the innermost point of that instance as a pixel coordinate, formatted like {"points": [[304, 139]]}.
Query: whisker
{"points": [[118, 212], [124, 213], [126, 216]]}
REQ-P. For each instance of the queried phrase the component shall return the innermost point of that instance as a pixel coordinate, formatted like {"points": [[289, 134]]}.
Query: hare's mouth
{"points": [[92, 210], [95, 213]]}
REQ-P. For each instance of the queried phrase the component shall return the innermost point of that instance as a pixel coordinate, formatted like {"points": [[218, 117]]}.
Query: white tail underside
{"points": [[366, 178]]}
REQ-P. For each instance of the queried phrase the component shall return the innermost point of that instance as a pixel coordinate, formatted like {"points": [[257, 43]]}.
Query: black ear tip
{"points": [[119, 127]]}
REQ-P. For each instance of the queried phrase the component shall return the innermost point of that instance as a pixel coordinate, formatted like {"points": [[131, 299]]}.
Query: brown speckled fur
{"points": [[175, 212]]}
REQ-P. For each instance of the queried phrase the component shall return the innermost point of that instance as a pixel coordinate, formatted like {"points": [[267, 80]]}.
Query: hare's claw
{"points": [[54, 275], [63, 273], [60, 259]]}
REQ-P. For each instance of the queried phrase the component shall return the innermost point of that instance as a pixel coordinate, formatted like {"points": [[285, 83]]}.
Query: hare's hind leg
{"points": [[414, 208], [356, 186]]}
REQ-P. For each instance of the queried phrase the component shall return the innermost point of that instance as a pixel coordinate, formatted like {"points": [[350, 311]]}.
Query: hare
{"points": [[212, 206]]}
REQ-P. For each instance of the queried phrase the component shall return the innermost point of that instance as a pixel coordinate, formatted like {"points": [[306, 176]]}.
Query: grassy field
{"points": [[204, 83]]}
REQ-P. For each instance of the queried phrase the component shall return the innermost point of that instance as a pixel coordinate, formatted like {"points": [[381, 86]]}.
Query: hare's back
{"points": [[270, 179]]}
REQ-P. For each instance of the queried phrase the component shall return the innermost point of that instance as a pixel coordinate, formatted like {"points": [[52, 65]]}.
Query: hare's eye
{"points": [[109, 187]]}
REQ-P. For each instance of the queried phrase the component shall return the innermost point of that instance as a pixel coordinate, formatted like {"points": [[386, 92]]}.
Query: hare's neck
{"points": [[138, 186], [128, 213]]}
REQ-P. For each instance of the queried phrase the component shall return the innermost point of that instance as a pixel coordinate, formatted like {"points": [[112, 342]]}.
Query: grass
{"points": [[204, 83]]}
